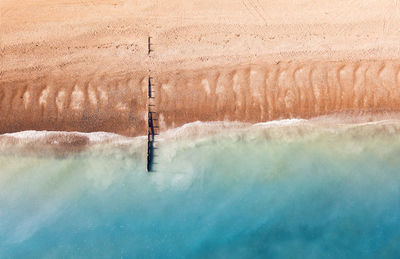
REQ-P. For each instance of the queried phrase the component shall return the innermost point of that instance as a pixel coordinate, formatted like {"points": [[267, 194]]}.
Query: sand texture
{"points": [[84, 65]]}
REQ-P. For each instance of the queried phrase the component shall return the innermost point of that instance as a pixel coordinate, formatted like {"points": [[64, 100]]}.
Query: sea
{"points": [[282, 189]]}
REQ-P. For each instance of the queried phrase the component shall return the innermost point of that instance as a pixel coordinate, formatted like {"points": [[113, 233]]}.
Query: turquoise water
{"points": [[282, 192]]}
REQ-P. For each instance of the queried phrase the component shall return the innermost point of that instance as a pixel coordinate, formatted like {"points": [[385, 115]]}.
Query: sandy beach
{"points": [[84, 65]]}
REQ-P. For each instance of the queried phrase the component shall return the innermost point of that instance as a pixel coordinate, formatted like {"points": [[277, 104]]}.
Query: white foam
{"points": [[284, 122], [93, 137], [196, 128], [199, 128], [380, 122]]}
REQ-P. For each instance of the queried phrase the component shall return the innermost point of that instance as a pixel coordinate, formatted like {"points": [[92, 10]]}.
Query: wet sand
{"points": [[83, 65]]}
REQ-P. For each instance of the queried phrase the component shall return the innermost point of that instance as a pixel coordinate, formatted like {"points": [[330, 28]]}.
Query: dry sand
{"points": [[83, 65]]}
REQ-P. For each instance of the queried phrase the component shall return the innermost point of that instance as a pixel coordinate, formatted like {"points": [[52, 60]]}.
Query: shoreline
{"points": [[61, 143]]}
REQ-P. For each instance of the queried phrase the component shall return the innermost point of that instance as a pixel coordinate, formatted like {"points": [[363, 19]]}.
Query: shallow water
{"points": [[283, 191]]}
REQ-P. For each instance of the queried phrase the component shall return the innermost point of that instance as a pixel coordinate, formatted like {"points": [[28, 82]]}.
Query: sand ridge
{"points": [[264, 92]]}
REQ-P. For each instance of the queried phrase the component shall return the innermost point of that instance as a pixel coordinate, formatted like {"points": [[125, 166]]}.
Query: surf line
{"points": [[151, 119]]}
